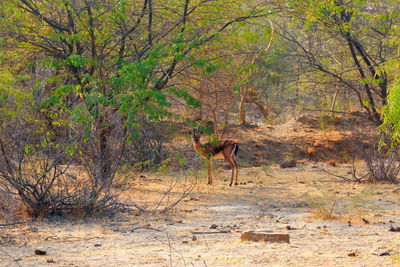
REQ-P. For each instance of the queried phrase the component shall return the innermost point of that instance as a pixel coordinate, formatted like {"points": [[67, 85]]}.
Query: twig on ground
{"points": [[347, 179], [209, 233], [147, 228], [10, 256], [170, 249], [10, 224], [177, 251]]}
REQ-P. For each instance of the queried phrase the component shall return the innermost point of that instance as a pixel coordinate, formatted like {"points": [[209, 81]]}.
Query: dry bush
{"points": [[325, 205], [11, 210], [383, 166], [329, 205], [35, 168]]}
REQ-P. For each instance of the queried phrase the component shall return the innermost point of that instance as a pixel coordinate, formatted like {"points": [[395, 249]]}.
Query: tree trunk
{"points": [[103, 161], [261, 107], [334, 101], [242, 110], [255, 100]]}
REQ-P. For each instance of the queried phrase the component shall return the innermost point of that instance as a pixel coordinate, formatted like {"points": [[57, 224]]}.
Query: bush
{"points": [[38, 170], [383, 166]]}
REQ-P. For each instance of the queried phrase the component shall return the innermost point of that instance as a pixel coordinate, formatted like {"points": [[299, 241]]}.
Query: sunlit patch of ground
{"points": [[272, 199]]}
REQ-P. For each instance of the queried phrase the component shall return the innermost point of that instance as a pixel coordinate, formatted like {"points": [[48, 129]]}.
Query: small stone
{"points": [[365, 221], [213, 226], [383, 253], [97, 245], [288, 164], [33, 229], [351, 254], [185, 241], [194, 238], [40, 252], [331, 162], [394, 229], [50, 260]]}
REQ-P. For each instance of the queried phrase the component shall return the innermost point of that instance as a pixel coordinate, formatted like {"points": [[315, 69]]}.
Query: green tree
{"points": [[347, 44], [109, 64]]}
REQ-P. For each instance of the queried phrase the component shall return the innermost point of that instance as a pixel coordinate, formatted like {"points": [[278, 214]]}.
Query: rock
{"points": [[264, 237], [50, 260], [383, 253], [33, 229], [394, 229], [185, 242], [288, 164], [194, 238], [40, 252], [97, 245], [331, 162], [351, 254], [365, 221], [213, 226]]}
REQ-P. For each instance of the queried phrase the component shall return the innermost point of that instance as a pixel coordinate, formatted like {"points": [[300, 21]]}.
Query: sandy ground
{"points": [[271, 200]]}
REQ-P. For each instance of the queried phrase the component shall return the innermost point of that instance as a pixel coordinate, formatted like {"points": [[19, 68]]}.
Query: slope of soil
{"points": [[302, 139]]}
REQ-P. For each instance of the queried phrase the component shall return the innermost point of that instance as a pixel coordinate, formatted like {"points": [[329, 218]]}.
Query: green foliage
{"points": [[326, 122], [391, 114]]}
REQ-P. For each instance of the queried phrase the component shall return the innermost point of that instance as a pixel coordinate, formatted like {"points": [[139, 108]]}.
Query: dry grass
{"points": [[272, 199]]}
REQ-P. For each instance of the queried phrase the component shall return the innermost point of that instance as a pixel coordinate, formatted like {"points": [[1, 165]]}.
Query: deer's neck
{"points": [[197, 147]]}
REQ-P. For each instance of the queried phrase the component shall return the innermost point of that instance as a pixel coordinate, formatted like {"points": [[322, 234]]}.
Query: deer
{"points": [[226, 150]]}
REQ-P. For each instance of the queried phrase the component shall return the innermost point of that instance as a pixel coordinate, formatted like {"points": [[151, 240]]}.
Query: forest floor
{"points": [[331, 222], [205, 228]]}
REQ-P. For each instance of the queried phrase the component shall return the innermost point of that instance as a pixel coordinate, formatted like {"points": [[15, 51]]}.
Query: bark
{"points": [[242, 110]]}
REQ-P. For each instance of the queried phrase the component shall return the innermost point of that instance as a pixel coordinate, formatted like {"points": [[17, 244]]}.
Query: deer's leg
{"points": [[230, 162], [209, 172], [234, 166], [237, 171], [233, 171]]}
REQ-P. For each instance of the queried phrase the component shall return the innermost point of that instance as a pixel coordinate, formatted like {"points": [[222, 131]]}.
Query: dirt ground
{"points": [[205, 228]]}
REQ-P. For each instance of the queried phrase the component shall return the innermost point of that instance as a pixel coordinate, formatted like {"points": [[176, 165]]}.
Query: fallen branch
{"points": [[347, 179], [147, 228], [209, 233], [10, 256], [10, 224]]}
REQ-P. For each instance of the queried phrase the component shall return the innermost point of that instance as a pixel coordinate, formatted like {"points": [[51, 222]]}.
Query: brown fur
{"points": [[221, 150]]}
